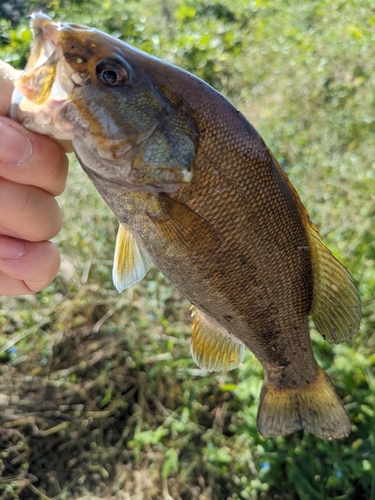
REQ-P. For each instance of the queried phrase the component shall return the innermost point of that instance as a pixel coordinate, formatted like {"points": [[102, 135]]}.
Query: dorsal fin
{"points": [[336, 306], [213, 348], [130, 262]]}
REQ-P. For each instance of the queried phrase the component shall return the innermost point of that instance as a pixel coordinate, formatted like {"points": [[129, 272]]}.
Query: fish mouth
{"points": [[46, 83], [52, 71], [46, 40]]}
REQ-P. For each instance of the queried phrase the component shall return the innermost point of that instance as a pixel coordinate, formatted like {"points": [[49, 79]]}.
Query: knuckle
{"points": [[56, 173]]}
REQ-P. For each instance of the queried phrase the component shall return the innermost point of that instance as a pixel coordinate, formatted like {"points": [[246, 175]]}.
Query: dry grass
{"points": [[61, 439]]}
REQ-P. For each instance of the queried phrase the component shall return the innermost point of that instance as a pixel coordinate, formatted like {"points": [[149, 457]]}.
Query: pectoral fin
{"points": [[185, 228], [130, 262], [213, 348]]}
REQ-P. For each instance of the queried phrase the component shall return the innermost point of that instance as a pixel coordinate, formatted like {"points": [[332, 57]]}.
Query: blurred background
{"points": [[99, 396]]}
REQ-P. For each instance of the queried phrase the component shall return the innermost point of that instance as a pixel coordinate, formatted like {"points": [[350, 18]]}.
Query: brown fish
{"points": [[197, 192]]}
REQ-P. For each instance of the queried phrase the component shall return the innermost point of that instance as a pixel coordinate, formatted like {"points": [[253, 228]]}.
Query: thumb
{"points": [[7, 76]]}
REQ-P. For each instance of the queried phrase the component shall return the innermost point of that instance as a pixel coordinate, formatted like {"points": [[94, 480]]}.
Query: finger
{"points": [[11, 286], [34, 264], [33, 268], [27, 267], [30, 158], [7, 77], [27, 212]]}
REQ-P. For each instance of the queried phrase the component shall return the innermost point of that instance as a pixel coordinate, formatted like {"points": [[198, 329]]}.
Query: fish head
{"points": [[87, 87]]}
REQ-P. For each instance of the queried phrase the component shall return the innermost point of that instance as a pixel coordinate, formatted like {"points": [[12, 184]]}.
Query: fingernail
{"points": [[11, 249], [15, 146]]}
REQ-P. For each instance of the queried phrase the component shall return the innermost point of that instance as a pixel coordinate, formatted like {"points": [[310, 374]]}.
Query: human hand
{"points": [[33, 170]]}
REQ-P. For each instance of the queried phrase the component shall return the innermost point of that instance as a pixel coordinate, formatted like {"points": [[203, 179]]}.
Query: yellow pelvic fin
{"points": [[213, 348], [130, 262], [314, 407], [336, 306]]}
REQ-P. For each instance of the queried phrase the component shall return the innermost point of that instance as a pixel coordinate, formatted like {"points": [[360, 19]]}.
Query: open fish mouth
{"points": [[46, 83], [46, 50]]}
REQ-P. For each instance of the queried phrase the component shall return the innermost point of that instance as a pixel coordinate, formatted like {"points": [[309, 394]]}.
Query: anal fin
{"points": [[130, 262], [213, 348]]}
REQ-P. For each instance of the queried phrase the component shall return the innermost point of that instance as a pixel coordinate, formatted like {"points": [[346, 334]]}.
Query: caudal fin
{"points": [[315, 408]]}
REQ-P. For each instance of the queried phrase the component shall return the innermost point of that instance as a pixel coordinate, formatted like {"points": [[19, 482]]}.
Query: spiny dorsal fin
{"points": [[336, 307], [213, 348], [314, 407], [130, 262]]}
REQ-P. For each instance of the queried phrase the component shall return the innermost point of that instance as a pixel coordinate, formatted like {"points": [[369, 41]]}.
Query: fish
{"points": [[198, 193]]}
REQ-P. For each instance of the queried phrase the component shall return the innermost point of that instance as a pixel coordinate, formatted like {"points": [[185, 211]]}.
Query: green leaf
{"points": [[171, 463]]}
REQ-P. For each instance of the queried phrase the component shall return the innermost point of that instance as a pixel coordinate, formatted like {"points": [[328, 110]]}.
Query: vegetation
{"points": [[99, 395]]}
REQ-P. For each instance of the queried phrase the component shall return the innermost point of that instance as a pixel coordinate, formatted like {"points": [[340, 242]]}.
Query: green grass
{"points": [[99, 394]]}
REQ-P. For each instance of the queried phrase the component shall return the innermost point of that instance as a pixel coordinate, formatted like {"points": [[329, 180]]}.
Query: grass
{"points": [[99, 395]]}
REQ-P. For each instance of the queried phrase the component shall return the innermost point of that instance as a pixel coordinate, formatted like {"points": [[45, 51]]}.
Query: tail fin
{"points": [[315, 407]]}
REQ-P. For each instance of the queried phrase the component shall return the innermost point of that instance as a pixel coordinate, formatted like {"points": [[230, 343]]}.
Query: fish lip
{"points": [[46, 37]]}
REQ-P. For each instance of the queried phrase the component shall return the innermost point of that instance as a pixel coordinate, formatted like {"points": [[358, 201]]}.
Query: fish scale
{"points": [[198, 193]]}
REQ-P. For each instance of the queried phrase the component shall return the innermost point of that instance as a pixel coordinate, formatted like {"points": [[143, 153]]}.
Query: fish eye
{"points": [[111, 73]]}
